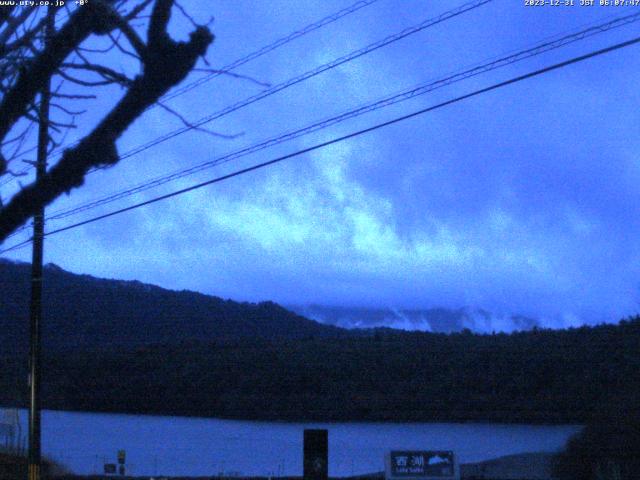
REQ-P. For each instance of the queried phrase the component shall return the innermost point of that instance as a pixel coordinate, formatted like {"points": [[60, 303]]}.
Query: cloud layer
{"points": [[521, 201]]}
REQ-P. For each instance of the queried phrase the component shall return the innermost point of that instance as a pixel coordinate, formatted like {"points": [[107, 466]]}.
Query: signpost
{"points": [[421, 465], [316, 454], [113, 468]]}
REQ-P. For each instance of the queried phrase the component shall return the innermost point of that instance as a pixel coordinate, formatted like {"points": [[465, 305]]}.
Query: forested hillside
{"points": [[84, 311], [539, 376]]}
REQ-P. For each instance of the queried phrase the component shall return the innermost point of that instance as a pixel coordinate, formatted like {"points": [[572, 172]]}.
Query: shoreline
{"points": [[296, 420]]}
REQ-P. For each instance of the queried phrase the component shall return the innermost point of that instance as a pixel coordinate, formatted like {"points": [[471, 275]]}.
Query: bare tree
{"points": [[27, 62]]}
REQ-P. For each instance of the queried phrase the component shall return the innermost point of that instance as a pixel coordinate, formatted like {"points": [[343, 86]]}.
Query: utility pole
{"points": [[36, 276]]}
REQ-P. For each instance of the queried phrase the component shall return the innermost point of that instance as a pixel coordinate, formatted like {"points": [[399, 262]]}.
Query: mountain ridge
{"points": [[262, 362], [86, 311]]}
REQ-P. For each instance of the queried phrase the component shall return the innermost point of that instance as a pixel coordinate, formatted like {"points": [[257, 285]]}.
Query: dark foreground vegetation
{"points": [[119, 346], [607, 448], [532, 377], [14, 467]]}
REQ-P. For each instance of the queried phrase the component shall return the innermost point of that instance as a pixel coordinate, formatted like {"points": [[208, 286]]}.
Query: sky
{"points": [[519, 201]]}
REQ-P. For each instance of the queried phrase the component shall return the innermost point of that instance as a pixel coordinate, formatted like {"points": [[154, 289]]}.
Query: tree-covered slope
{"points": [[83, 311], [530, 377]]}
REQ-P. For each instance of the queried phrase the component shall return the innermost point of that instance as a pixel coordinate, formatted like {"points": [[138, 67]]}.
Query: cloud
{"points": [[519, 201]]}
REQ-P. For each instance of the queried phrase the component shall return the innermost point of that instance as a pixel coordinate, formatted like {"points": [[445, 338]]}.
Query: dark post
{"points": [[36, 279], [316, 454]]}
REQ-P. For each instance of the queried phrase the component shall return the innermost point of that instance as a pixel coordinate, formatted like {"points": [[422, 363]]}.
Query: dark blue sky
{"points": [[523, 200]]}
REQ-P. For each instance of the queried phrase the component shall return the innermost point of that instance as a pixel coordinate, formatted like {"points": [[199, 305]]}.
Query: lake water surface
{"points": [[157, 445]]}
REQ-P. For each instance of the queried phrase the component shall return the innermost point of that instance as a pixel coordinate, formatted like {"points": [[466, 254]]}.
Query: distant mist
{"points": [[440, 320]]}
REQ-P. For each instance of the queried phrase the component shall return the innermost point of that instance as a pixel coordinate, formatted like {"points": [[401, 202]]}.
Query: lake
{"points": [[181, 446]]}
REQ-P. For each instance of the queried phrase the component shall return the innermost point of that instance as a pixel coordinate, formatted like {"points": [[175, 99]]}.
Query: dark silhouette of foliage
{"points": [[607, 449], [86, 312], [128, 347], [14, 467], [27, 63]]}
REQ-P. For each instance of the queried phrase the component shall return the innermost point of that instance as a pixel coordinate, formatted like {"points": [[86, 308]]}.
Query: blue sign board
{"points": [[6, 430], [421, 464]]}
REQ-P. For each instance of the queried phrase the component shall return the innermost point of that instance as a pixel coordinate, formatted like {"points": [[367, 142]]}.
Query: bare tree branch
{"points": [[187, 123], [165, 64], [134, 39], [5, 13], [92, 18], [24, 39], [13, 23], [105, 72], [67, 111], [73, 96], [136, 10], [84, 83], [116, 42], [234, 75]]}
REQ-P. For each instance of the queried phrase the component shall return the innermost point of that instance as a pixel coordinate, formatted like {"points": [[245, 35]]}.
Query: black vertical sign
{"points": [[316, 454]]}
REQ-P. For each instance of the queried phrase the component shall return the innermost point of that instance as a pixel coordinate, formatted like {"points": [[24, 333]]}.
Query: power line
{"points": [[329, 19], [342, 138], [311, 73], [59, 20], [387, 101], [308, 75], [17, 246], [305, 76], [267, 48], [272, 46]]}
